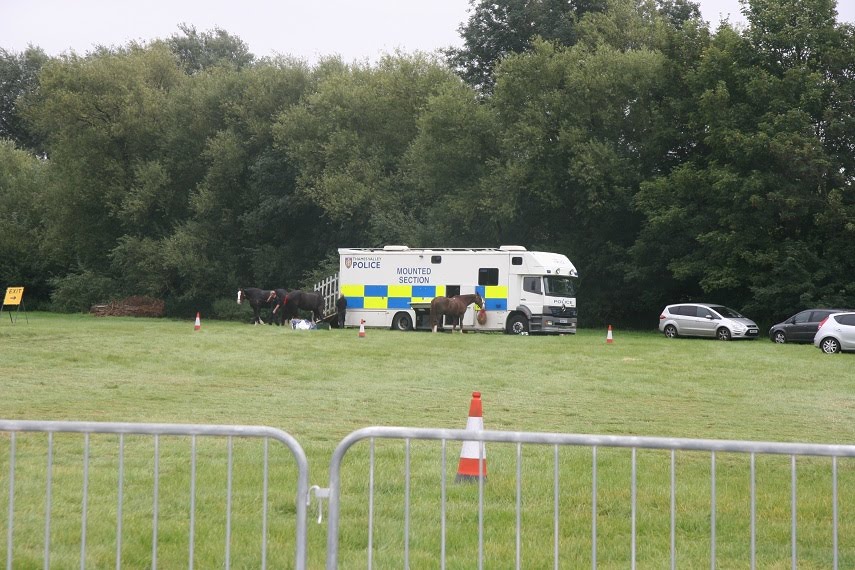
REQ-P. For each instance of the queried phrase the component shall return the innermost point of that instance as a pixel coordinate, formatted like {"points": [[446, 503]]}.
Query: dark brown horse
{"points": [[257, 298], [453, 307], [294, 301]]}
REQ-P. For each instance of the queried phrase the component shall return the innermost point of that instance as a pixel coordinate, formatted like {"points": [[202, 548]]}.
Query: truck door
{"points": [[532, 294]]}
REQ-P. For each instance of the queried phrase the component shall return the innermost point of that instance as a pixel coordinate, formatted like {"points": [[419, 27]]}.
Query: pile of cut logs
{"points": [[130, 307]]}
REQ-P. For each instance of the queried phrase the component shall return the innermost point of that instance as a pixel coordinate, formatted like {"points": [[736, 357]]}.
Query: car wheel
{"points": [[670, 331], [722, 334], [779, 337], [402, 322], [829, 345], [517, 324]]}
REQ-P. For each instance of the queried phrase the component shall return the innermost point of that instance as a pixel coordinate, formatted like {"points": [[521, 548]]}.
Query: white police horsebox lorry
{"points": [[391, 287]]}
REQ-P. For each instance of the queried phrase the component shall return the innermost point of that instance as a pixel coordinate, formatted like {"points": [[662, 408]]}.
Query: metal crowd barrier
{"points": [[608, 475], [57, 467], [594, 443]]}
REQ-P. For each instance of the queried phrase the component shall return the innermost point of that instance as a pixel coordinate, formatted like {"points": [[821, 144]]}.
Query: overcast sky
{"points": [[353, 29]]}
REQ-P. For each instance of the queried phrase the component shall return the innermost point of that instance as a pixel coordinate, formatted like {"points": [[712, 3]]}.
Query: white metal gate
{"points": [[328, 289], [599, 494], [89, 494], [174, 472]]}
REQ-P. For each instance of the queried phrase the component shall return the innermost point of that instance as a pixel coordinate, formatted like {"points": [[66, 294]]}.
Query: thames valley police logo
{"points": [[348, 261]]}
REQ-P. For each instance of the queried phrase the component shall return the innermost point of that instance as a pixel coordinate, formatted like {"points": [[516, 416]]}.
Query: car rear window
{"points": [[819, 315], [684, 310], [846, 319]]}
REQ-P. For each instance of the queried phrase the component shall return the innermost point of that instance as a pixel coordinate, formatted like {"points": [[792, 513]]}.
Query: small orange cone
{"points": [[609, 339], [361, 328], [198, 324], [473, 454]]}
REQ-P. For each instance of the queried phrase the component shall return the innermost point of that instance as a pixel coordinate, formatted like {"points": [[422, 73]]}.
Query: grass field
{"points": [[321, 385]]}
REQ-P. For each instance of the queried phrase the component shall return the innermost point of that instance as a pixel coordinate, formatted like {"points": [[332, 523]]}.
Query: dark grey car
{"points": [[801, 327]]}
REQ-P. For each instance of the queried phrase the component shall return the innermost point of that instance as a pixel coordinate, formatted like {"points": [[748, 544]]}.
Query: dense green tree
{"points": [[757, 215], [155, 167], [101, 120], [667, 162], [497, 29], [449, 167], [23, 181], [348, 141], [234, 213], [575, 128], [19, 78], [198, 51]]}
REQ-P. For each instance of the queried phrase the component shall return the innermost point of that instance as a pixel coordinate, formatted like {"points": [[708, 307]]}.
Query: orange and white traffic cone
{"points": [[198, 324], [361, 328], [609, 338], [473, 454]]}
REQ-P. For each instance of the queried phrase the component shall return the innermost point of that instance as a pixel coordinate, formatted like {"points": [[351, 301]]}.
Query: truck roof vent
{"points": [[396, 248], [512, 248]]}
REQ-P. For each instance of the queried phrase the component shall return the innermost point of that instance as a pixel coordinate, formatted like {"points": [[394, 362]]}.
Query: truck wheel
{"points": [[517, 324], [402, 322]]}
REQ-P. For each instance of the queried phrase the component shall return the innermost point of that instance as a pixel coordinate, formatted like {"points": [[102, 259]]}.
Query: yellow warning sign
{"points": [[13, 295]]}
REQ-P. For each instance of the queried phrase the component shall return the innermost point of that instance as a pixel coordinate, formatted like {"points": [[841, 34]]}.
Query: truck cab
{"points": [[547, 294]]}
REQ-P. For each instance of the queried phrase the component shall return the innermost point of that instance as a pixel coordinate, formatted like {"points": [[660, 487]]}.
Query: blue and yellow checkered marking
{"points": [[495, 297], [400, 296]]}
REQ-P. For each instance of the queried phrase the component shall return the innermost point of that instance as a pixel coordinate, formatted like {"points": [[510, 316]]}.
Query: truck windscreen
{"points": [[560, 286]]}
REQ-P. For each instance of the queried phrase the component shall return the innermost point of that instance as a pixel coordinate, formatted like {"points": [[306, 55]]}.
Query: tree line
{"points": [[667, 159]]}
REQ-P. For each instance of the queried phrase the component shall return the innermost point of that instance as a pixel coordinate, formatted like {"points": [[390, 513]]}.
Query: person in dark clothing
{"points": [[341, 310]]}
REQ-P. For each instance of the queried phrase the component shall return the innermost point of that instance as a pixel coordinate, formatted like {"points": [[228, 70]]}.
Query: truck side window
{"points": [[516, 260], [436, 259], [452, 290], [531, 284], [488, 276]]}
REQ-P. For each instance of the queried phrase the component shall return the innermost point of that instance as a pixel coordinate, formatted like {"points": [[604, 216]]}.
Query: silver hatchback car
{"points": [[836, 333], [704, 319]]}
